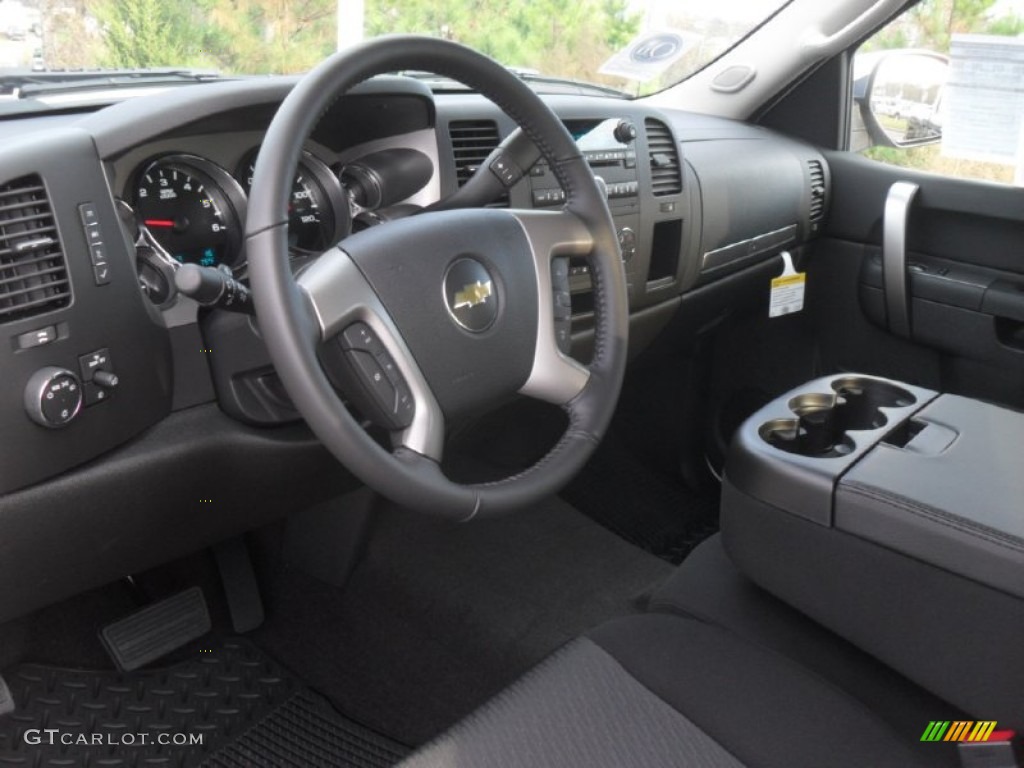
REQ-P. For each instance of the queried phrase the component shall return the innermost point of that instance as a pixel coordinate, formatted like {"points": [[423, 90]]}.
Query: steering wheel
{"points": [[443, 313]]}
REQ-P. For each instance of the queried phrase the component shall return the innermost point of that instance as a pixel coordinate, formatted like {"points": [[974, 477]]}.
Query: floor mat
{"points": [[654, 512], [229, 707]]}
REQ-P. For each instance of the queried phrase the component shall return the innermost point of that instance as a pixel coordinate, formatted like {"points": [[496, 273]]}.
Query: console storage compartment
{"points": [[892, 515]]}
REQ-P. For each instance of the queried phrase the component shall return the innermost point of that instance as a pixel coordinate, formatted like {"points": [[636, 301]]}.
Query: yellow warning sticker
{"points": [[780, 282], [787, 294]]}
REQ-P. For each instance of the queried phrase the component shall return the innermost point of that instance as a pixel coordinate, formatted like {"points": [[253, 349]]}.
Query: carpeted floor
{"points": [[439, 616], [646, 508]]}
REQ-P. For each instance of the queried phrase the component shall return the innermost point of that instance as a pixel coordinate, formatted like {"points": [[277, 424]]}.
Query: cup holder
{"points": [[823, 421], [809, 435], [862, 400]]}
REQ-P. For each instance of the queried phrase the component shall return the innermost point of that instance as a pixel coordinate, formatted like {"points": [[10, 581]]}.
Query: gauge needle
{"points": [[158, 223]]}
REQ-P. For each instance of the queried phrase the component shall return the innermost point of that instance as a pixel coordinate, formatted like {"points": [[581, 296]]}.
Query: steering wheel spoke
{"points": [[381, 370], [555, 377]]}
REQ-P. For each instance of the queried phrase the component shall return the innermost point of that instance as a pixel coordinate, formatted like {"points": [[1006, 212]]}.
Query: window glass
{"points": [[941, 89], [634, 46]]}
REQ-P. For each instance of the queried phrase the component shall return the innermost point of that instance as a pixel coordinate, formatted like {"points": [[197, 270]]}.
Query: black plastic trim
{"points": [[194, 479]]}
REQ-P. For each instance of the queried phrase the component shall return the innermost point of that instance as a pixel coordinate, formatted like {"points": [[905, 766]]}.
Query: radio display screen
{"points": [[592, 135]]}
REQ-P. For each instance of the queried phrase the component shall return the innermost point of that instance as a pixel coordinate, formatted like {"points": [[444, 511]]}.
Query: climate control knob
{"points": [[53, 397]]}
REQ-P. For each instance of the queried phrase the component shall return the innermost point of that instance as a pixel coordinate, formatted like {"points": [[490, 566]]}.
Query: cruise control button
{"points": [[375, 380], [507, 171], [361, 336], [405, 406], [388, 366]]}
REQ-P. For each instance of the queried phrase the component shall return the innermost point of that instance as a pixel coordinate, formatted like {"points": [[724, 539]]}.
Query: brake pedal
{"points": [[157, 630], [240, 586]]}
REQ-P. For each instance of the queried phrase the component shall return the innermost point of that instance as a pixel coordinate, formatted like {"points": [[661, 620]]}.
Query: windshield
{"points": [[634, 46]]}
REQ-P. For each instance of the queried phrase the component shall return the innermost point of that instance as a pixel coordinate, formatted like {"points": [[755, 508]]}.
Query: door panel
{"points": [[962, 276]]}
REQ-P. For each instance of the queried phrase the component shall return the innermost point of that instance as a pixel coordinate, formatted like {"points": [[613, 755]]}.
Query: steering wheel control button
{"points": [[374, 381], [470, 295], [506, 170], [53, 397], [94, 361], [38, 337], [361, 336], [405, 406]]}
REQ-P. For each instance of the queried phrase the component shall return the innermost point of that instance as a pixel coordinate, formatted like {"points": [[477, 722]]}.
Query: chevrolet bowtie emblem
{"points": [[472, 294]]}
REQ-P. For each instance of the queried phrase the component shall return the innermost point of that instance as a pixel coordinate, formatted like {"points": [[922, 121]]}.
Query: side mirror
{"points": [[898, 95]]}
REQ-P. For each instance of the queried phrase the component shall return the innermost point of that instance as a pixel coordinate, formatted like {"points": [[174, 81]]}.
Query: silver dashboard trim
{"points": [[729, 255]]}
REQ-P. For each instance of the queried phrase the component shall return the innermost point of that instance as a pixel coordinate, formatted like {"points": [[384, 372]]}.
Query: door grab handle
{"points": [[894, 256]]}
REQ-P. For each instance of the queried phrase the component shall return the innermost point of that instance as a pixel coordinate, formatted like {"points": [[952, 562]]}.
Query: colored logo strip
{"points": [[959, 730]]}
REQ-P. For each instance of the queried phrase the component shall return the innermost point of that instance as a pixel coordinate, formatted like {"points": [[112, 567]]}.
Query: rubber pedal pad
{"points": [[157, 630]]}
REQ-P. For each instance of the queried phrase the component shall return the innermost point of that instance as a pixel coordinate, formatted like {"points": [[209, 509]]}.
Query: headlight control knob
{"points": [[53, 397]]}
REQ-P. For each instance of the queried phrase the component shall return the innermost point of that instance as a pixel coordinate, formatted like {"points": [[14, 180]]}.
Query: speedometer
{"points": [[318, 213], [186, 203]]}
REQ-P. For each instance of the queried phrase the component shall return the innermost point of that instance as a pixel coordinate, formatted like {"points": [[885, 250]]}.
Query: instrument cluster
{"points": [[195, 210]]}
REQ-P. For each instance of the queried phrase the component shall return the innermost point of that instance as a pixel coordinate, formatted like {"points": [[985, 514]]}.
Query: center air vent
{"points": [[817, 174], [666, 176], [33, 273]]}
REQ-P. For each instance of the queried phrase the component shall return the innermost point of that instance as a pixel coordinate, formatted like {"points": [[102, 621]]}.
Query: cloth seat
{"points": [[657, 690], [709, 587]]}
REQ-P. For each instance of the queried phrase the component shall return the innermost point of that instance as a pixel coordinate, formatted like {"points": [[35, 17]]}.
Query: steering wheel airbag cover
{"points": [[494, 272]]}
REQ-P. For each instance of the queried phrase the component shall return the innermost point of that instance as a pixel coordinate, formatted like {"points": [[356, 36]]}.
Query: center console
{"points": [[892, 515]]}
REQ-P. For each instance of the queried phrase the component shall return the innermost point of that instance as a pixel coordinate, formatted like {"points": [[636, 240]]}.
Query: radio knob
{"points": [[53, 397], [625, 132]]}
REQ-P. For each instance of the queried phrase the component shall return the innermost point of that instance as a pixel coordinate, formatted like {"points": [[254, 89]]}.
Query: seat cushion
{"points": [[580, 707], [709, 587], [663, 690]]}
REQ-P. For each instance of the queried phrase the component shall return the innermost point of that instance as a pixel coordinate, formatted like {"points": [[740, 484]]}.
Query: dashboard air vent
{"points": [[33, 273], [817, 174], [666, 175], [472, 142]]}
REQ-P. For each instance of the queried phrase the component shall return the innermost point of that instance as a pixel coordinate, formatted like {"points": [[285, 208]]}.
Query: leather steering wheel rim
{"points": [[289, 322]]}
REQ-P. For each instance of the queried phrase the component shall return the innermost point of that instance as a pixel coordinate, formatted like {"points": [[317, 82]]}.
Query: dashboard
{"points": [[97, 209]]}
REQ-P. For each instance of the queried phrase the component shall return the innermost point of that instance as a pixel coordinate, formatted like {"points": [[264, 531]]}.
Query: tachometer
{"points": [[192, 207], [318, 214]]}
